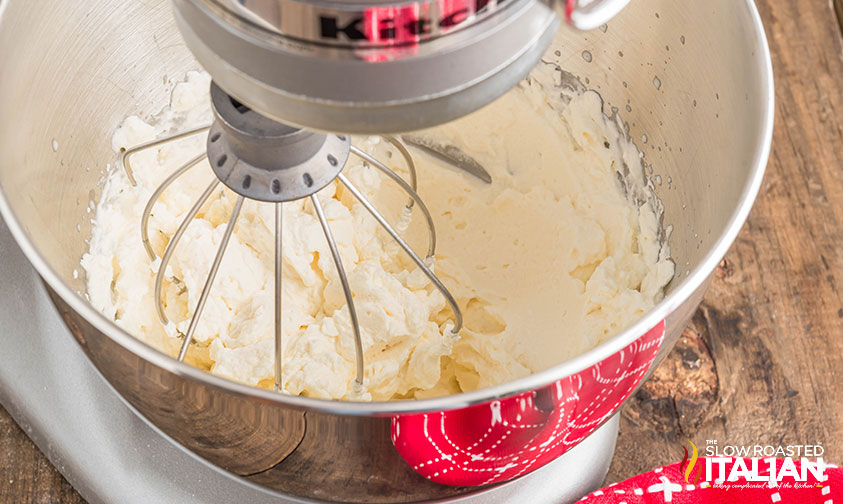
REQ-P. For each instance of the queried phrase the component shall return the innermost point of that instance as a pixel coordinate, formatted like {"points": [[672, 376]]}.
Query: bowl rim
{"points": [[668, 305]]}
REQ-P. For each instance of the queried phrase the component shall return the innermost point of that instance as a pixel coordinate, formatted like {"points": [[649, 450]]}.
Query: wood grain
{"points": [[762, 361], [26, 475]]}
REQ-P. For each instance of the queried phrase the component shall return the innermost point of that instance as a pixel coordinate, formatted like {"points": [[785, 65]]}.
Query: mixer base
{"points": [[110, 455]]}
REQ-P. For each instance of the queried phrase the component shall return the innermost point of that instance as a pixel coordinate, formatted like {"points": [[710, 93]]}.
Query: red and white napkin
{"points": [[667, 484]]}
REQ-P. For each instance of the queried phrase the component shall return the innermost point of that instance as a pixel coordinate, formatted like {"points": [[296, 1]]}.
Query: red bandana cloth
{"points": [[668, 484]]}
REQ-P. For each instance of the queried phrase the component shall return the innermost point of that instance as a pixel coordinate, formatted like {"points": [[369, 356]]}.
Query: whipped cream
{"points": [[553, 257]]}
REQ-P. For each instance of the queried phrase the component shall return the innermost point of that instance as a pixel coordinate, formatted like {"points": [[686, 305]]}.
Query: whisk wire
{"points": [[458, 322], [206, 289], [349, 299], [147, 211], [128, 153], [171, 247], [408, 161], [279, 383], [431, 245]]}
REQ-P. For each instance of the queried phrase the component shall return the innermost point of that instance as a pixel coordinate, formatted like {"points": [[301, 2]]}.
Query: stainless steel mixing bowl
{"points": [[694, 77]]}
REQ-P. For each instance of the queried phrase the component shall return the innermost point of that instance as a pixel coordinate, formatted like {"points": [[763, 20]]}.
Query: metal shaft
{"points": [[206, 290], [279, 384], [349, 300], [419, 262]]}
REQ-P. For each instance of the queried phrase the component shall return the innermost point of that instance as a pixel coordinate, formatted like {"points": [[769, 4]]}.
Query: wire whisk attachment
{"points": [[271, 162]]}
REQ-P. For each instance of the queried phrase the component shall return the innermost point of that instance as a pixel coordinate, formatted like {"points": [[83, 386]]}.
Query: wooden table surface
{"points": [[762, 361]]}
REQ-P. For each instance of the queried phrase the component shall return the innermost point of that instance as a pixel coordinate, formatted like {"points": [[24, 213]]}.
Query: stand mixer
{"points": [[74, 69], [403, 68]]}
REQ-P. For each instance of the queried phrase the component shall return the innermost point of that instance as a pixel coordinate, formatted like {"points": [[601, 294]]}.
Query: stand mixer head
{"points": [[377, 66]]}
